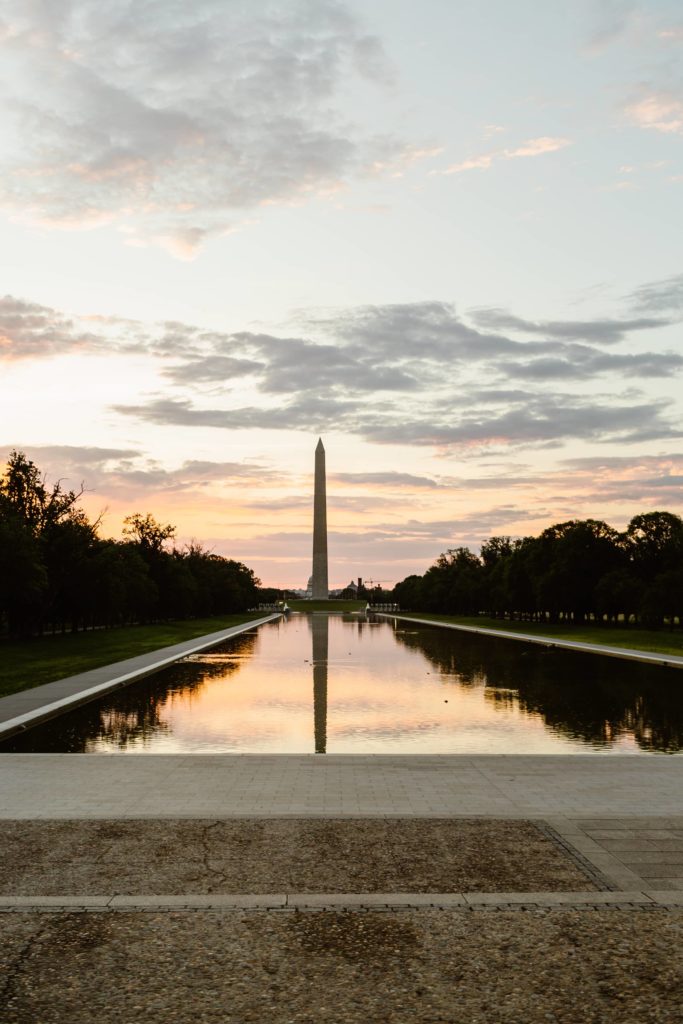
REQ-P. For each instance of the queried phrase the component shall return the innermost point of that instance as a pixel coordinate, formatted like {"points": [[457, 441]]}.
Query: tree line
{"points": [[58, 574], [574, 572]]}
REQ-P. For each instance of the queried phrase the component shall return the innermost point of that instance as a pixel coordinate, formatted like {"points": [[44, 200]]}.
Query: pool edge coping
{"points": [[627, 653], [18, 723]]}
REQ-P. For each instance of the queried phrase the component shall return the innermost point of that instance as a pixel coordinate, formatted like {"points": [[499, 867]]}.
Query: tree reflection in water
{"points": [[132, 716], [596, 699]]}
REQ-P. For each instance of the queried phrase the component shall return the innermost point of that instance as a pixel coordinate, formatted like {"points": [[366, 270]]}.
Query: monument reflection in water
{"points": [[320, 633], [344, 684]]}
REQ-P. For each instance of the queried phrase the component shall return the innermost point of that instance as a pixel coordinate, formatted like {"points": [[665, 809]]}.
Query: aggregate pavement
{"points": [[461, 967], [283, 855]]}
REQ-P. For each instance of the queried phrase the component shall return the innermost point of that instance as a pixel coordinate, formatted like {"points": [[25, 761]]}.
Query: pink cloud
{"points": [[661, 110], [537, 147], [531, 147], [477, 163]]}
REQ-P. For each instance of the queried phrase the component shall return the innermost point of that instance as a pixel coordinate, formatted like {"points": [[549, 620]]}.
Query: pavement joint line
{"points": [[646, 898], [605, 881], [19, 722], [630, 653]]}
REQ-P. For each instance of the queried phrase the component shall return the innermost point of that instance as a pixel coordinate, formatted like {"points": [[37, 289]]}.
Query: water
{"points": [[343, 684]]}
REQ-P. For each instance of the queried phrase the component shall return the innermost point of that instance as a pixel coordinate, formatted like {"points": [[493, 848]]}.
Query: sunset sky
{"points": [[445, 236]]}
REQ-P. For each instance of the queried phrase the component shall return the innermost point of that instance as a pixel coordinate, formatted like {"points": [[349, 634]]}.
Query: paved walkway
{"points": [[42, 702], [226, 785], [623, 814], [630, 653]]}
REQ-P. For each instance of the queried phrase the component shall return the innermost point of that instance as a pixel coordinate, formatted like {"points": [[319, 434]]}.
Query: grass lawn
{"points": [[28, 663], [326, 606], [661, 641]]}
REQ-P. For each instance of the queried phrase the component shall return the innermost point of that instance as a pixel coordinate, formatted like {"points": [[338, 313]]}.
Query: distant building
{"points": [[353, 589]]}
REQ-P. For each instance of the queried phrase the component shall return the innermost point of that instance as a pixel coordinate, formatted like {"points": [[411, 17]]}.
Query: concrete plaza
{"points": [[624, 815]]}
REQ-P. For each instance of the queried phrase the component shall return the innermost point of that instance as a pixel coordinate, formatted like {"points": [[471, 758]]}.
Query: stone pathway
{"points": [[645, 852], [52, 786]]}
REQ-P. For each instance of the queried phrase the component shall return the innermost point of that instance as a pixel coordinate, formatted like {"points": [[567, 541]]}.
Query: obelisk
{"points": [[320, 588]]}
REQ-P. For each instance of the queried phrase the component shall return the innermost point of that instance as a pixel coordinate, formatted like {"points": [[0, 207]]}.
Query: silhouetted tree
{"points": [[572, 572], [56, 573]]}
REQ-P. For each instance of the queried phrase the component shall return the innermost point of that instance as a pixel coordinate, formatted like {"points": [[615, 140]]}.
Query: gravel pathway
{"points": [[474, 967], [282, 855]]}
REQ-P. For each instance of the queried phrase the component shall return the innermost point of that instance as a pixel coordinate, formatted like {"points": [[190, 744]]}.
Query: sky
{"points": [[445, 237]]}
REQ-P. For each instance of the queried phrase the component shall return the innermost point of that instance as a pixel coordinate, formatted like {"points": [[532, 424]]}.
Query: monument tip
{"points": [[319, 447]]}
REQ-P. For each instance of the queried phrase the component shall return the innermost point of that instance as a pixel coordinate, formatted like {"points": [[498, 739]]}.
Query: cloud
{"points": [[537, 147], [626, 463], [127, 472], [659, 111], [605, 331], [587, 363], [172, 120], [613, 19], [68, 455], [532, 147], [640, 480], [31, 331], [658, 296], [284, 365], [213, 368], [530, 420], [477, 163], [386, 479], [399, 373], [673, 33]]}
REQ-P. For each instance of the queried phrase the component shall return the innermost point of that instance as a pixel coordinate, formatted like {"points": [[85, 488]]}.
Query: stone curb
{"points": [[345, 901], [230, 901], [310, 900]]}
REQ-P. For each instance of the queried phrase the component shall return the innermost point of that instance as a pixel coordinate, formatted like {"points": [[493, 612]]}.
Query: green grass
{"points": [[326, 606], [28, 663], [660, 641]]}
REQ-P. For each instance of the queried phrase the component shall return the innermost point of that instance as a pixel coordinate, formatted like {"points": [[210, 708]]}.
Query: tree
{"points": [[23, 579], [655, 543], [496, 554], [56, 572], [577, 554], [572, 571], [25, 494], [663, 599], [618, 593], [68, 548], [453, 584], [408, 593], [147, 532]]}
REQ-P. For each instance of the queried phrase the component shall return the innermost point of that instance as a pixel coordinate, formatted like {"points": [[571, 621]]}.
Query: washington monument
{"points": [[320, 588]]}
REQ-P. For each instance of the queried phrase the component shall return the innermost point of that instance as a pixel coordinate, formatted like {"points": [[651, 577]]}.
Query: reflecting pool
{"points": [[347, 684]]}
